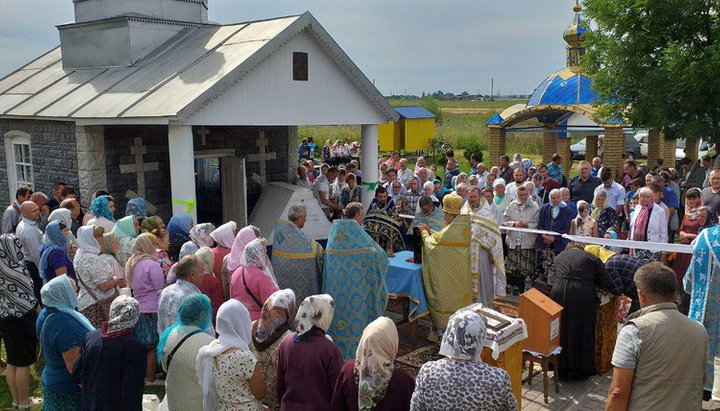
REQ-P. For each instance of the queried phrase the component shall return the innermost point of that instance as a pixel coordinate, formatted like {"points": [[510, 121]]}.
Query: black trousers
{"points": [[35, 276]]}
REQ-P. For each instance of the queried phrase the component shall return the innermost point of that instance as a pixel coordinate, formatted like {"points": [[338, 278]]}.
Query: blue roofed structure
{"points": [[413, 112], [564, 87]]}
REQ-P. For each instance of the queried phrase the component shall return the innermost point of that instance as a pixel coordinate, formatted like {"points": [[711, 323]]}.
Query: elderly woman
{"points": [[308, 361], [554, 216], [200, 237], [17, 319], [127, 230], [152, 223], [96, 279], [604, 216], [267, 334], [179, 229], [103, 207], [228, 371], [253, 282], [54, 258], [108, 254], [178, 349], [61, 330], [113, 354], [137, 207], [371, 381], [210, 286], [648, 222], [351, 192], [461, 381], [224, 236], [146, 278], [232, 261], [577, 274], [501, 199]]}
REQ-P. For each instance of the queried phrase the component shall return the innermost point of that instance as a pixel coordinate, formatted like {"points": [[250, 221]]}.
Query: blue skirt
{"points": [[61, 401], [146, 329]]}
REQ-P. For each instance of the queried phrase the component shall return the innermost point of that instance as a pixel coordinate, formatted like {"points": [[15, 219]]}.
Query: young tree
{"points": [[657, 63]]}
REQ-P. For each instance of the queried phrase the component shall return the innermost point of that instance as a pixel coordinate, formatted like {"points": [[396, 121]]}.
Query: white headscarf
{"points": [[63, 215], [464, 336], [200, 234], [234, 331], [87, 243], [255, 255], [315, 311], [225, 234]]}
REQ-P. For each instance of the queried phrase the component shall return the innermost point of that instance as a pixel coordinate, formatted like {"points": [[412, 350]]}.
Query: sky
{"points": [[402, 45]]}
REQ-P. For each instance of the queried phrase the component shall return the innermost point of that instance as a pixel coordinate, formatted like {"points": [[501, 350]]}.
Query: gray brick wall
{"points": [[54, 154]]}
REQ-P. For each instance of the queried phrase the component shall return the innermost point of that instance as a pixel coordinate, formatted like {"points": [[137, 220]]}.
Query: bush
{"points": [[472, 145]]}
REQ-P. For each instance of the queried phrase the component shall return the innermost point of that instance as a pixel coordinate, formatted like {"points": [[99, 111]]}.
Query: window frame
{"points": [[12, 139], [297, 73]]}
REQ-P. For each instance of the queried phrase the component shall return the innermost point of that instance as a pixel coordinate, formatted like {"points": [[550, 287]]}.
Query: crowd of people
{"points": [[302, 326]]}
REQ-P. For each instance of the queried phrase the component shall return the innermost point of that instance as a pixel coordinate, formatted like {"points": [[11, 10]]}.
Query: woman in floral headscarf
{"points": [[267, 334], [254, 281], [103, 208], [127, 230], [461, 381], [200, 236], [231, 262], [122, 357], [371, 381], [308, 361]]}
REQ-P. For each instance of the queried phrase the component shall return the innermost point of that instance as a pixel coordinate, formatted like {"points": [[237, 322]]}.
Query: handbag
{"points": [[177, 347], [247, 290], [104, 303]]}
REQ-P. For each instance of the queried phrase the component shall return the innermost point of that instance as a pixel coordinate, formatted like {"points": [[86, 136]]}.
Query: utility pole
{"points": [[492, 88]]}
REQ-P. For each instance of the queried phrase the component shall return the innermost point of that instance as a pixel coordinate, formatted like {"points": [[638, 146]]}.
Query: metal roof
{"points": [[172, 82], [413, 112], [564, 87]]}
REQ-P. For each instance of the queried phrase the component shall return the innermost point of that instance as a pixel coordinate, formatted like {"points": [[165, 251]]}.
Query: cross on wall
{"points": [[262, 156], [140, 167]]}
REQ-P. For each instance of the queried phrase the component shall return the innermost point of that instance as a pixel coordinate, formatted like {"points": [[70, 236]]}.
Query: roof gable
{"points": [[413, 112]]}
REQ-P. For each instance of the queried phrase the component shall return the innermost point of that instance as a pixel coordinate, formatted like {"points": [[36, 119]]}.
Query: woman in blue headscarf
{"points": [[103, 208], [61, 330], [179, 229], [194, 319], [54, 258], [138, 208]]}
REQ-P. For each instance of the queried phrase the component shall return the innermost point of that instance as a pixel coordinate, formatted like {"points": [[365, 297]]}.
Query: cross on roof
{"points": [[262, 156], [140, 167]]}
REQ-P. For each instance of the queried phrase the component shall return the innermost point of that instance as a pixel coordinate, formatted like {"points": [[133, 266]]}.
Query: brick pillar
{"points": [[563, 148], [496, 144], [668, 152], [654, 147], [591, 143], [92, 175], [614, 147], [691, 148], [549, 146]]}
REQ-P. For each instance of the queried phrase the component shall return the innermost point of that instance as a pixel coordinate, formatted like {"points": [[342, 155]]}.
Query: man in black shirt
{"points": [[583, 186]]}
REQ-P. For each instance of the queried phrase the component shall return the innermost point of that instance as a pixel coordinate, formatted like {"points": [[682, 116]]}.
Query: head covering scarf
{"points": [[225, 234], [149, 224], [692, 212], [233, 328], [125, 227], [63, 215], [597, 210], [143, 247], [16, 287], [200, 235], [207, 257], [101, 208], [315, 312], [137, 207], [54, 240], [188, 248], [256, 256], [194, 313], [124, 314], [87, 243], [179, 224], [242, 239], [111, 240], [600, 252], [59, 294], [465, 336], [587, 207], [274, 318], [375, 361]]}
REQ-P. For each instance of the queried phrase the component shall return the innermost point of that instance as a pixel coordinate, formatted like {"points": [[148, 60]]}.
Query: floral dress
{"points": [[231, 376], [268, 363], [162, 257]]}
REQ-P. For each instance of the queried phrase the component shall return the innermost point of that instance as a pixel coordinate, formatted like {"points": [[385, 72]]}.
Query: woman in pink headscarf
{"points": [[231, 262]]}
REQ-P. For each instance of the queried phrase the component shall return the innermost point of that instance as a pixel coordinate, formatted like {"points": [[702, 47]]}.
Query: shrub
{"points": [[472, 145]]}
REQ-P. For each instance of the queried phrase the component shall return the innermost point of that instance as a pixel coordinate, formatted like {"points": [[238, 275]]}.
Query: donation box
{"points": [[542, 318]]}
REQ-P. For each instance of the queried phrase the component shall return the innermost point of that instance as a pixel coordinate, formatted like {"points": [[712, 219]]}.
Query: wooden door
{"points": [[234, 190]]}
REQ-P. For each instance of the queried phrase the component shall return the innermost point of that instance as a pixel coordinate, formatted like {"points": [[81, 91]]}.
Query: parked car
{"points": [[632, 148], [642, 138]]}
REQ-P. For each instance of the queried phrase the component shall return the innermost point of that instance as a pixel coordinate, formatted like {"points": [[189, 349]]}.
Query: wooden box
{"points": [[542, 317]]}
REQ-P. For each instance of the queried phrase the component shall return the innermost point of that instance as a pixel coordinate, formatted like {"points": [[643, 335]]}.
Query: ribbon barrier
{"points": [[371, 186], [189, 203], [606, 242]]}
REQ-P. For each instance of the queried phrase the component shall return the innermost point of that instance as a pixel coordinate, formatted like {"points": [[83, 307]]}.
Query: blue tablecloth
{"points": [[404, 279]]}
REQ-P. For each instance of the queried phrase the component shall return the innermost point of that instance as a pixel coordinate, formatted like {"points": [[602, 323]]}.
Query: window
{"points": [[300, 66], [18, 156]]}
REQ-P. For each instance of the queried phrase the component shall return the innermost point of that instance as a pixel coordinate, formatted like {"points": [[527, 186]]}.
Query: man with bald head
{"points": [[30, 235]]}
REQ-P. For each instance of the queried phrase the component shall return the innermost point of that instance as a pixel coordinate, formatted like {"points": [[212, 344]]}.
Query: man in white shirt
{"points": [[615, 192], [321, 190], [404, 174], [30, 235], [482, 173]]}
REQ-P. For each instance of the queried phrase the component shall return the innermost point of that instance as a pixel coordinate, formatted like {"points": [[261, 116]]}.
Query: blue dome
{"points": [[564, 88]]}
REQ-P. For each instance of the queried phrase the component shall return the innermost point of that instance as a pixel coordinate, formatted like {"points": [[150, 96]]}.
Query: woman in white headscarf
{"points": [[308, 361], [228, 371], [254, 281], [200, 235], [97, 281], [371, 381], [224, 237], [461, 380]]}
